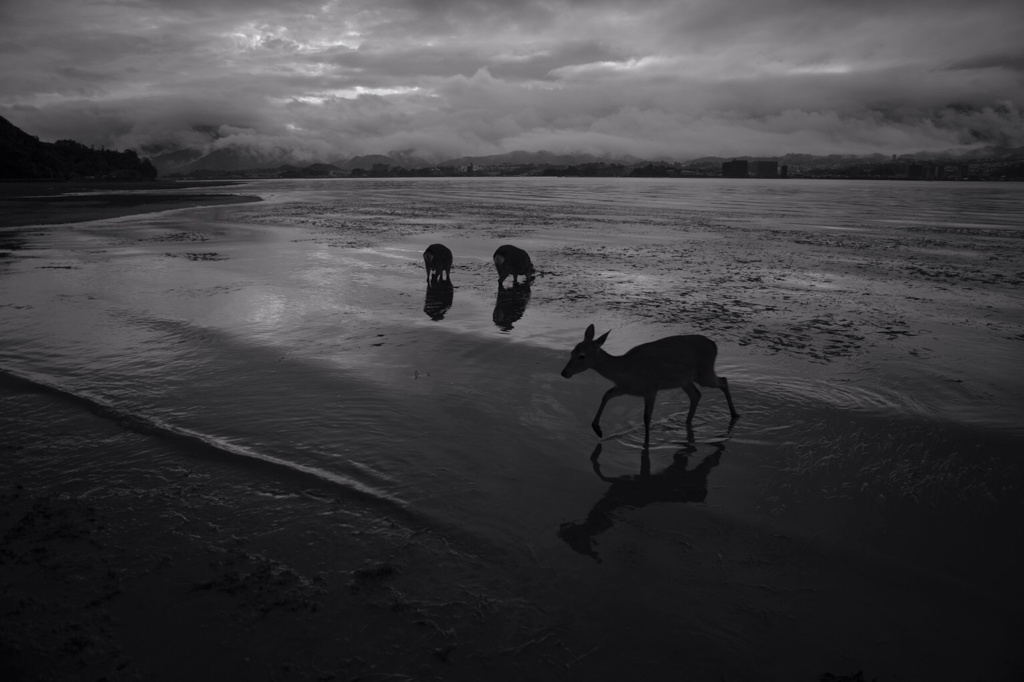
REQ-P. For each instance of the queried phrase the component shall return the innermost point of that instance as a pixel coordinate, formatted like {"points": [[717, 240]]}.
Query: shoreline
{"points": [[29, 204]]}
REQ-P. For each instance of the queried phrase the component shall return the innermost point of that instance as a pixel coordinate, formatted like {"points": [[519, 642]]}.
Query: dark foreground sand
{"points": [[157, 579], [161, 582]]}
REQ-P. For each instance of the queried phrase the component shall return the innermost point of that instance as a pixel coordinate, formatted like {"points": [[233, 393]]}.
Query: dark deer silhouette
{"points": [[511, 260], [671, 362], [437, 259]]}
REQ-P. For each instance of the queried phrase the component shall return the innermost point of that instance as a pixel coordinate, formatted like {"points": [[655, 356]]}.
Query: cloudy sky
{"points": [[331, 79]]}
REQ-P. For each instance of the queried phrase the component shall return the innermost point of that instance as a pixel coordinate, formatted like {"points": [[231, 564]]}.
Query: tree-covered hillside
{"points": [[24, 157]]}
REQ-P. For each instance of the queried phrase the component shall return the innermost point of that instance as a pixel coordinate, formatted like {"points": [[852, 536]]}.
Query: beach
{"points": [[47, 203], [248, 440]]}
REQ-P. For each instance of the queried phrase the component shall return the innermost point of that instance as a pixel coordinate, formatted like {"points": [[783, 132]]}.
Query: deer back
{"points": [[438, 256], [671, 362], [511, 260]]}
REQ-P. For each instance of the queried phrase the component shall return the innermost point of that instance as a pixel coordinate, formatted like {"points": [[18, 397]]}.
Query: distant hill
{"points": [[316, 170], [224, 159], [368, 161], [175, 162], [185, 162], [541, 158], [793, 159], [236, 160], [24, 157], [986, 153], [813, 160], [407, 160]]}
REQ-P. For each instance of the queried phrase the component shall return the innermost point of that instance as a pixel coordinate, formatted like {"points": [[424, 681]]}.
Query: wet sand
{"points": [[43, 203], [159, 579]]}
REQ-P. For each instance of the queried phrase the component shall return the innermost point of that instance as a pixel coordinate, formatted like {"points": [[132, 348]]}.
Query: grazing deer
{"points": [[511, 260], [437, 259], [672, 362]]}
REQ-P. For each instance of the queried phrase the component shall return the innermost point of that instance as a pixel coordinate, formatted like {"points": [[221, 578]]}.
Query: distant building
{"points": [[766, 169], [783, 171], [735, 169]]}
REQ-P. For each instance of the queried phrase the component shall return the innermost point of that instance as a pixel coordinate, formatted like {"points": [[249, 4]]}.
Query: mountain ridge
{"points": [[241, 160], [25, 156]]}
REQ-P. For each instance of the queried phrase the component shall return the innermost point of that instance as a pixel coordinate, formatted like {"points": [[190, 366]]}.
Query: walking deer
{"points": [[672, 362], [437, 259], [511, 260]]}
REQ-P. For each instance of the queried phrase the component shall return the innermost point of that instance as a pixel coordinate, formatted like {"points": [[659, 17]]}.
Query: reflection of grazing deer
{"points": [[438, 299], [672, 484], [511, 260], [437, 259], [510, 305], [672, 362]]}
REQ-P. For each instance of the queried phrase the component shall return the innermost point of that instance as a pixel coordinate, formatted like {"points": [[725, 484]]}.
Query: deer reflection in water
{"points": [[438, 299], [674, 483], [510, 305]]}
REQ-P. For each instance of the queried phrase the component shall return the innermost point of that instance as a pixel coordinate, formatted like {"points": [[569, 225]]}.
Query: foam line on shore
{"points": [[194, 440]]}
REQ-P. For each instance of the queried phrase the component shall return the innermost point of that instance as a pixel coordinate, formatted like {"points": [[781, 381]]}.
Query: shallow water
{"points": [[871, 333]]}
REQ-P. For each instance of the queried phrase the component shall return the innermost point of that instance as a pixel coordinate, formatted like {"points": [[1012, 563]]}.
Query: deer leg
{"points": [[724, 385], [612, 392], [694, 394], [648, 411]]}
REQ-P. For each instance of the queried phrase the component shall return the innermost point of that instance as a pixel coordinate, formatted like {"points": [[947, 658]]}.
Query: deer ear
{"points": [[589, 334], [604, 337]]}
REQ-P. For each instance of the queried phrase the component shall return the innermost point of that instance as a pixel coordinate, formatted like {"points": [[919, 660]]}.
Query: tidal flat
{"points": [[251, 441]]}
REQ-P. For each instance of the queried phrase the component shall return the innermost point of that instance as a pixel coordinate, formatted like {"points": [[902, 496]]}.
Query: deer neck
{"points": [[610, 366]]}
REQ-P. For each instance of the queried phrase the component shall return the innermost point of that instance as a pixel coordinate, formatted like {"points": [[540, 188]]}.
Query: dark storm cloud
{"points": [[333, 78], [1012, 61]]}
